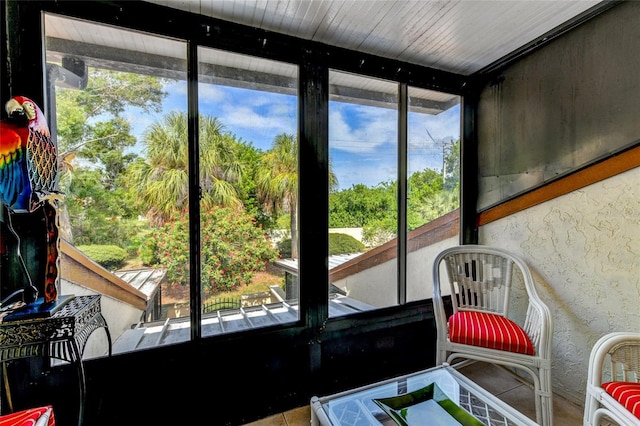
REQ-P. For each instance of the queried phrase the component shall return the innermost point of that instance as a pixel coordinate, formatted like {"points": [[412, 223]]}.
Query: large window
{"points": [[123, 172], [180, 186], [369, 158], [363, 159], [433, 179], [119, 110], [248, 160]]}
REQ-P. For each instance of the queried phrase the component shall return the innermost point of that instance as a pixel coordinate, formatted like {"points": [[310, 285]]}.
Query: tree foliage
{"points": [[233, 249], [250, 157], [361, 205], [276, 182], [93, 137], [161, 181], [90, 124], [100, 216], [430, 195], [451, 170]]}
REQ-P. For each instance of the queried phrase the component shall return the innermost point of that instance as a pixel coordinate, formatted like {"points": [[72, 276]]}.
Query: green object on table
{"points": [[399, 407]]}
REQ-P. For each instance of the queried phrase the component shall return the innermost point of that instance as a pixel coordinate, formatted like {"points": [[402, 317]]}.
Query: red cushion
{"points": [[626, 393], [489, 331], [28, 417]]}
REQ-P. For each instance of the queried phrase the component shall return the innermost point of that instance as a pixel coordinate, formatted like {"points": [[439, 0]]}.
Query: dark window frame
{"points": [[314, 61]]}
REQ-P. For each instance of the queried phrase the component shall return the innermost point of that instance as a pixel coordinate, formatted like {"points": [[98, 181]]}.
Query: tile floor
{"points": [[500, 383]]}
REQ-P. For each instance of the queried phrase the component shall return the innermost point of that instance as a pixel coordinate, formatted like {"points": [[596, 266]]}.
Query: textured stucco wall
{"points": [[584, 251]]}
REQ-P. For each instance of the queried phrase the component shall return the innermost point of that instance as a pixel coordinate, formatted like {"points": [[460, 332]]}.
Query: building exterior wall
{"points": [[584, 252], [378, 285]]}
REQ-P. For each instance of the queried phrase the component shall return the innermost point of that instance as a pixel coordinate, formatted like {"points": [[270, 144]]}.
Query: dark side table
{"points": [[63, 335]]}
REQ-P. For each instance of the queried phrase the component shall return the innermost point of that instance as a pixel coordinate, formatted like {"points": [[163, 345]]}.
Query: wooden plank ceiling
{"points": [[457, 36]]}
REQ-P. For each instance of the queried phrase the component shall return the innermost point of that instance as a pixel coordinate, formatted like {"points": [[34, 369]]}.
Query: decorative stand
{"points": [[62, 335]]}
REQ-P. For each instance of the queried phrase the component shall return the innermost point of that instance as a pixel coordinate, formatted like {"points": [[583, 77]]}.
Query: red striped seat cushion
{"points": [[489, 331], [626, 393], [29, 417]]}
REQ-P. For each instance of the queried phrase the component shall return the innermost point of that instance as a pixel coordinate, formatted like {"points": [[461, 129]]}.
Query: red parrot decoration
{"points": [[28, 176]]}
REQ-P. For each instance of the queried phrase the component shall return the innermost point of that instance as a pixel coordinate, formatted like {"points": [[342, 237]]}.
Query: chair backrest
{"points": [[624, 361], [482, 278], [615, 357]]}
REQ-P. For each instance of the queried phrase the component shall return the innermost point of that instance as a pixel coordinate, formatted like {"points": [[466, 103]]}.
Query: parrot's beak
{"points": [[15, 110]]}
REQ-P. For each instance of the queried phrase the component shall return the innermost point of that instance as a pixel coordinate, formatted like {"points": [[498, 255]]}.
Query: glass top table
{"points": [[356, 407]]}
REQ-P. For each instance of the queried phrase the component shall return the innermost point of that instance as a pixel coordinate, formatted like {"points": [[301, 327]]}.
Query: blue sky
{"points": [[362, 140]]}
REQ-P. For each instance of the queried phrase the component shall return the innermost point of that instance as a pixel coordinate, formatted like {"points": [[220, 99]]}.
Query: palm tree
{"points": [[161, 181], [277, 182]]}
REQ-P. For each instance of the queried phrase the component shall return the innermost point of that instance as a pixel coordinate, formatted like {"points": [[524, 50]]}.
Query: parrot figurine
{"points": [[28, 179]]}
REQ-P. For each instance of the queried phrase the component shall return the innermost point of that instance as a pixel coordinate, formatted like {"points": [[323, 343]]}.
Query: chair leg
{"points": [[544, 398], [543, 394], [590, 407], [588, 415], [441, 356]]}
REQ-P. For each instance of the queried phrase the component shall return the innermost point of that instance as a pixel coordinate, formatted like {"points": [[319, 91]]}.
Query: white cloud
{"points": [[246, 118], [364, 130], [210, 94]]}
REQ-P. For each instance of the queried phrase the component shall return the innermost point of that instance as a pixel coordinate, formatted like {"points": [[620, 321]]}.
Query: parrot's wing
{"points": [[42, 162], [15, 188]]}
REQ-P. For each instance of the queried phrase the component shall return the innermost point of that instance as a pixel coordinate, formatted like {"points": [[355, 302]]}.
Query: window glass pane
{"points": [[248, 156], [116, 103], [433, 173], [363, 160]]}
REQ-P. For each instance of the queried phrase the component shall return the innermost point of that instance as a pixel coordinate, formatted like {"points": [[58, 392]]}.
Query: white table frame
{"points": [[483, 402]]}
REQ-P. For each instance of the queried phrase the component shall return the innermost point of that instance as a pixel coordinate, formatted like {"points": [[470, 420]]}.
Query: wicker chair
{"points": [[613, 381], [480, 280]]}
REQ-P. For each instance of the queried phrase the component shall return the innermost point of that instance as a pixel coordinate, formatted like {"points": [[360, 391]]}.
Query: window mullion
{"points": [[402, 192], [194, 193]]}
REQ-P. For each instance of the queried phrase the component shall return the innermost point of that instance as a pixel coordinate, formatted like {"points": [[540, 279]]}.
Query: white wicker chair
{"points": [[614, 358], [481, 279]]}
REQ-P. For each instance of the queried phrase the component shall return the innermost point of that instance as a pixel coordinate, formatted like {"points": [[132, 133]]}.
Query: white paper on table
{"points": [[429, 413]]}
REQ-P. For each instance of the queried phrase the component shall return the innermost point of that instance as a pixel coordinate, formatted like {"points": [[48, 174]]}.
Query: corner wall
{"points": [[562, 107], [584, 251]]}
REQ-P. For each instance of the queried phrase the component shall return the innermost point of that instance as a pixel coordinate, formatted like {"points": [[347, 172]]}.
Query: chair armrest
{"points": [[539, 325]]}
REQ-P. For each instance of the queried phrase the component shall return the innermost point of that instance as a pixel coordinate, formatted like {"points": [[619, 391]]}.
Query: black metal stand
{"points": [[62, 335]]}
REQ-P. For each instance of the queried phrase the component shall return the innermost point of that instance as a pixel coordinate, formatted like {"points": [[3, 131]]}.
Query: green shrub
{"points": [[108, 256], [344, 244], [284, 249], [338, 244]]}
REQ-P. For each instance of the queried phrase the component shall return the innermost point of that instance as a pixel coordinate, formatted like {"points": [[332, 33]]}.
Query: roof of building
{"points": [[176, 330], [291, 265], [147, 280]]}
